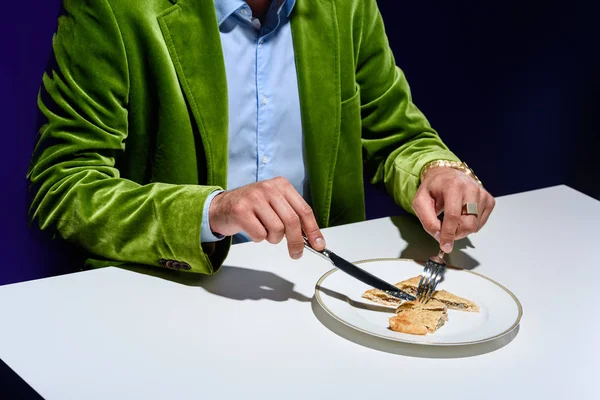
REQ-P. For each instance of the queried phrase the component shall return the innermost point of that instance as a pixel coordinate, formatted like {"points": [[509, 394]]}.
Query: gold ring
{"points": [[470, 209]]}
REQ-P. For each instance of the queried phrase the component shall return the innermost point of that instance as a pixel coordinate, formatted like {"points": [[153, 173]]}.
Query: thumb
{"points": [[424, 206]]}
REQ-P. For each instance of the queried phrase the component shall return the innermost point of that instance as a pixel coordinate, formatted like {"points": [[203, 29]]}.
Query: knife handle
{"points": [[324, 253]]}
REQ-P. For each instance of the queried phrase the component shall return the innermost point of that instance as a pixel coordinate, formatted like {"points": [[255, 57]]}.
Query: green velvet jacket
{"points": [[135, 131]]}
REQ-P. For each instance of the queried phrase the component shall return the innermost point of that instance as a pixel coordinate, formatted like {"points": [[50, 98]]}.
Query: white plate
{"points": [[340, 296]]}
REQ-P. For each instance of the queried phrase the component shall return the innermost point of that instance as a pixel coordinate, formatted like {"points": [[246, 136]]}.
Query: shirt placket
{"points": [[264, 130], [262, 102]]}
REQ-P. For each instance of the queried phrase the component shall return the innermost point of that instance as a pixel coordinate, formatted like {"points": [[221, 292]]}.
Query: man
{"points": [[153, 108]]}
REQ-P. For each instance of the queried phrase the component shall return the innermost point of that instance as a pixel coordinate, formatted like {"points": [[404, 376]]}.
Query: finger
{"points": [[490, 204], [469, 223], [453, 201], [254, 228], [308, 221], [291, 223], [482, 206], [425, 209], [272, 224]]}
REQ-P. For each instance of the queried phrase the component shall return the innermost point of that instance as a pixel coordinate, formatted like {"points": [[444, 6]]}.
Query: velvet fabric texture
{"points": [[135, 131]]}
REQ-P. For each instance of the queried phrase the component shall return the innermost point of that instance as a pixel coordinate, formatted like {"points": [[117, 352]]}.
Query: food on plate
{"points": [[414, 317], [453, 301]]}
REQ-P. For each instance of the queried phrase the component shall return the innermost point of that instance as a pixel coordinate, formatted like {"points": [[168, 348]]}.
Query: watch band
{"points": [[461, 166]]}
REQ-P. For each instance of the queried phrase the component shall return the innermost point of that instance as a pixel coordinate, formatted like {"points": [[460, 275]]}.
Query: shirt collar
{"points": [[288, 6], [225, 8]]}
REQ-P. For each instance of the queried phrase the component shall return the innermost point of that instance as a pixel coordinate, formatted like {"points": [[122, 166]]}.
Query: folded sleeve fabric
{"points": [[77, 165], [398, 141]]}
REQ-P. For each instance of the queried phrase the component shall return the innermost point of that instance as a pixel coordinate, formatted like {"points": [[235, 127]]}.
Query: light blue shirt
{"points": [[265, 128]]}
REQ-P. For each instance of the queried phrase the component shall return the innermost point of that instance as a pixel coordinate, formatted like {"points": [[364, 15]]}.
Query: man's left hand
{"points": [[446, 190]]}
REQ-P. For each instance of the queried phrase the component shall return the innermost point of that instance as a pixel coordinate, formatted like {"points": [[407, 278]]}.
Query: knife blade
{"points": [[360, 274]]}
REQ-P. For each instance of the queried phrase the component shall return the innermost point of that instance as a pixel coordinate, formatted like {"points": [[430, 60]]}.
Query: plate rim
{"points": [[370, 260]]}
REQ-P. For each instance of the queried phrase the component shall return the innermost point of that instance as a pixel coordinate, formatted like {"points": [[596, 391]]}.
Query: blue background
{"points": [[512, 86]]}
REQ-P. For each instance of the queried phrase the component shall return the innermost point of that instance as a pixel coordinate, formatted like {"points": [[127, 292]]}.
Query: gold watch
{"points": [[461, 166]]}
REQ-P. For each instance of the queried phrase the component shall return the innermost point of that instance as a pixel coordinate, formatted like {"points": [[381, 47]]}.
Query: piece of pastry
{"points": [[453, 301], [431, 305], [419, 319], [410, 286], [377, 296], [380, 297]]}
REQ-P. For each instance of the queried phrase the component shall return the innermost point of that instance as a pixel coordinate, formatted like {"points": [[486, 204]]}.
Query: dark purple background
{"points": [[512, 87]]}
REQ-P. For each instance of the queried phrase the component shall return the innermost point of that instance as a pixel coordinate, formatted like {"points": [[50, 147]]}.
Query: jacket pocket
{"points": [[354, 100], [350, 124], [347, 203]]}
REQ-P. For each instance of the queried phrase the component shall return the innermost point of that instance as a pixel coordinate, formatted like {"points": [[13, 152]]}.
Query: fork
{"points": [[432, 274]]}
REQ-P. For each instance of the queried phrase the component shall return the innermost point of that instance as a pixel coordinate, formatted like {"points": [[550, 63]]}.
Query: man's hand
{"points": [[267, 210], [448, 189]]}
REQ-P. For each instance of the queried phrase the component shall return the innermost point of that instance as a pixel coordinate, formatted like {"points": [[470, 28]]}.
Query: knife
{"points": [[359, 273]]}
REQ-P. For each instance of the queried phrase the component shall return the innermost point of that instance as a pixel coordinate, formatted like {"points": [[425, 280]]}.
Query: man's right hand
{"points": [[267, 210]]}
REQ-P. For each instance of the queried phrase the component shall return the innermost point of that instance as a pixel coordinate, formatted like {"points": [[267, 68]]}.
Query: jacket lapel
{"points": [[191, 33], [315, 38]]}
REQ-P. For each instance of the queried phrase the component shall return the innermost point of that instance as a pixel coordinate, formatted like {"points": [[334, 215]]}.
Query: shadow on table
{"points": [[232, 282], [406, 349], [354, 303], [421, 246]]}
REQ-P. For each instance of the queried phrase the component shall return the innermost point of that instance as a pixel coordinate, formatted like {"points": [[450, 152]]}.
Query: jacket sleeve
{"points": [[397, 138], [77, 191]]}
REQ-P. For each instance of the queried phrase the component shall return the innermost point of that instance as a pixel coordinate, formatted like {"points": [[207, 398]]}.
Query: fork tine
{"points": [[427, 281], [432, 283], [430, 291], [432, 274], [439, 273], [420, 287], [428, 273], [425, 295], [423, 281]]}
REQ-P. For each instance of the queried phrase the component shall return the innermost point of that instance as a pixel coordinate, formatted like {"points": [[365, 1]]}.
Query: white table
{"points": [[252, 330]]}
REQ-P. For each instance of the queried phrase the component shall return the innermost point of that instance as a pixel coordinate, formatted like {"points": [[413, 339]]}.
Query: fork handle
{"points": [[439, 259]]}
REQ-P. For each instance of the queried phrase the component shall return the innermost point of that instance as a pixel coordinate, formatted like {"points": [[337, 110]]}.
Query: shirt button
{"points": [[244, 11], [264, 100], [261, 41], [265, 159]]}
